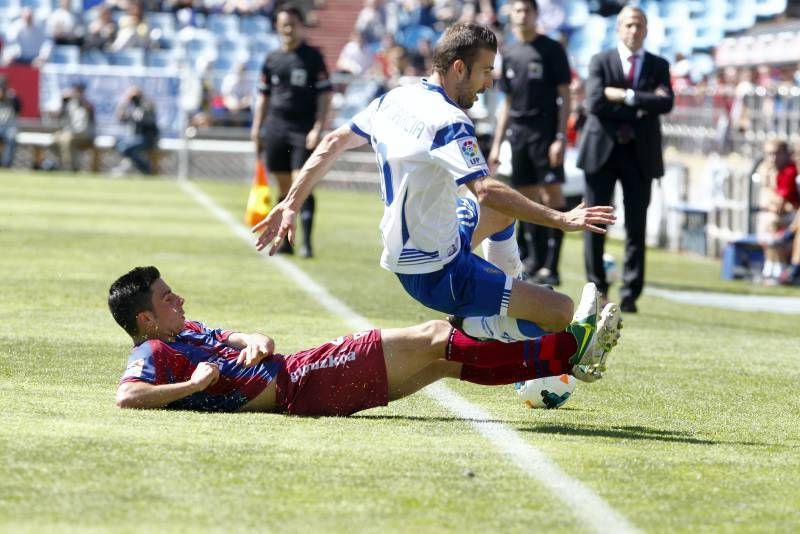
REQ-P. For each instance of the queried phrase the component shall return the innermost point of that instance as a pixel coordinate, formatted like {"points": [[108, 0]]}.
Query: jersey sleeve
{"points": [[264, 83], [142, 363], [455, 147], [323, 79], [503, 83], [561, 71], [361, 123]]}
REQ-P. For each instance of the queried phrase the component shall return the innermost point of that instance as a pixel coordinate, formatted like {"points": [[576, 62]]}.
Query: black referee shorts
{"points": [[530, 164], [285, 149]]}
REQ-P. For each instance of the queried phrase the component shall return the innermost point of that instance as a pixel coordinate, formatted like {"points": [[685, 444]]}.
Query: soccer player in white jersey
{"points": [[426, 148]]}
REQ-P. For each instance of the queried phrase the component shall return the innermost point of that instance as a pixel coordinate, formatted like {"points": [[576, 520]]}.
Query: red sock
{"points": [[504, 374], [547, 355]]}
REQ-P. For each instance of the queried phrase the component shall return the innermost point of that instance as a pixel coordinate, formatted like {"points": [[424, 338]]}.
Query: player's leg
{"points": [[553, 197], [495, 232], [277, 154], [298, 157], [414, 357]]}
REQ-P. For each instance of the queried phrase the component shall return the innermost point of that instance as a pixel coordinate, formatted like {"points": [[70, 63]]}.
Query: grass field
{"points": [[694, 427]]}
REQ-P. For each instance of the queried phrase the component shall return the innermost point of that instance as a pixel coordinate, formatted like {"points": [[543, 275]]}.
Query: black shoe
{"points": [[305, 251], [628, 305], [285, 248], [546, 277]]}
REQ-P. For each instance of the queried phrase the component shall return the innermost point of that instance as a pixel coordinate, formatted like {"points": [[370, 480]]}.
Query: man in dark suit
{"points": [[626, 91]]}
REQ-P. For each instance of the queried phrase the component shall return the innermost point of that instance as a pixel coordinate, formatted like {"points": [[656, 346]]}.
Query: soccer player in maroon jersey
{"points": [[183, 364]]}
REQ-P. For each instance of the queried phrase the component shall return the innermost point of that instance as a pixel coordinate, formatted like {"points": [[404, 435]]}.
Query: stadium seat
{"points": [[412, 35], [233, 48], [161, 58], [577, 13], [260, 46], [741, 14], [162, 21], [36, 5], [254, 25], [65, 55], [769, 8], [128, 57], [254, 64], [222, 25], [94, 57]]}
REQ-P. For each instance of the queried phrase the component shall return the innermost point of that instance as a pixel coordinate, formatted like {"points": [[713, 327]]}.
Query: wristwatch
{"points": [[561, 136]]}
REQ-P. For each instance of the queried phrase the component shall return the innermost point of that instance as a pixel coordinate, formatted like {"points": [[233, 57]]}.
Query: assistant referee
{"points": [[295, 95], [535, 78]]}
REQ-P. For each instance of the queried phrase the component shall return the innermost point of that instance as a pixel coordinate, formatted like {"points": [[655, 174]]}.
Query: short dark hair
{"points": [[290, 9], [462, 41], [531, 3], [130, 295]]}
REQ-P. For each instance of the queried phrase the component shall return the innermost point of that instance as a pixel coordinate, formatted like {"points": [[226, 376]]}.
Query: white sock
{"points": [[501, 250], [777, 269], [500, 327], [766, 272]]}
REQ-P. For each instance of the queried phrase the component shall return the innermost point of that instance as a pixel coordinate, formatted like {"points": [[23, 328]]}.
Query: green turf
{"points": [[693, 429]]}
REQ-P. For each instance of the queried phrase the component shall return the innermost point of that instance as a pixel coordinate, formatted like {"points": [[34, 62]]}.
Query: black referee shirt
{"points": [[531, 75], [293, 80]]}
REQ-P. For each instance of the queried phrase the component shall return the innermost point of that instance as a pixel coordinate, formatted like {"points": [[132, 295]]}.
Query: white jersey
{"points": [[425, 146]]}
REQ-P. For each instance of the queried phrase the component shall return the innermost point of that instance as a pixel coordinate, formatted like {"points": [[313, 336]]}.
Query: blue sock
{"points": [[530, 329]]}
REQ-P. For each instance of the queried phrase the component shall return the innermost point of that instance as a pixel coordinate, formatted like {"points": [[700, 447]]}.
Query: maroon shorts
{"points": [[338, 378]]}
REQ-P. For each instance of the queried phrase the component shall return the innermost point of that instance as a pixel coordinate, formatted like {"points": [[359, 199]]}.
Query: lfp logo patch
{"points": [[471, 151]]}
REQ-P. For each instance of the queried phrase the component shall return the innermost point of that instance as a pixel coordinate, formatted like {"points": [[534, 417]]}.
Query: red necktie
{"points": [[631, 71]]}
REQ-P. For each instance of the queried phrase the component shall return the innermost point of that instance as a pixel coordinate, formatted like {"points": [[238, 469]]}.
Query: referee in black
{"points": [[295, 95], [535, 78]]}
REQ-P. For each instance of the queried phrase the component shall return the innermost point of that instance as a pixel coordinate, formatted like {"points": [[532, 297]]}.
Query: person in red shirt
{"points": [[180, 364], [778, 201]]}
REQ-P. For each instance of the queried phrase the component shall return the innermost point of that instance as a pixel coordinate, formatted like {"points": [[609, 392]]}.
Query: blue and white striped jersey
{"points": [[425, 146]]}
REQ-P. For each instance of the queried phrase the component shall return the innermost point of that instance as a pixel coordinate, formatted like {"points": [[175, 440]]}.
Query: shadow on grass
{"points": [[629, 432], [623, 432]]}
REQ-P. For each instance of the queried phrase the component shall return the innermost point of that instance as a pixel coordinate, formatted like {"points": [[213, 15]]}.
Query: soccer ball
{"points": [[610, 265], [547, 392]]}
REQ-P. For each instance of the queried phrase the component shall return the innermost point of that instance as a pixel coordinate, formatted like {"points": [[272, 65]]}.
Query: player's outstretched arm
{"points": [[281, 221], [255, 347], [502, 198], [143, 395]]}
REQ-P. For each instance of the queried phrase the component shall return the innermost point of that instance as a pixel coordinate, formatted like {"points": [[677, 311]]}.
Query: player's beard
{"points": [[465, 96]]}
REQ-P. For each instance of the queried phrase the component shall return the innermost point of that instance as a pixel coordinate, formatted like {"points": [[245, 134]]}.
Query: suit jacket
{"points": [[600, 133]]}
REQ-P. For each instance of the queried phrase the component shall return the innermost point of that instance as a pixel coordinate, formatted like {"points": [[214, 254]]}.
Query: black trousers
{"points": [[621, 165]]}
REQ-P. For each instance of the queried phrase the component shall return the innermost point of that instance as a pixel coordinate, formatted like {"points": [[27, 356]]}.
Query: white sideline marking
{"points": [[729, 301], [595, 513]]}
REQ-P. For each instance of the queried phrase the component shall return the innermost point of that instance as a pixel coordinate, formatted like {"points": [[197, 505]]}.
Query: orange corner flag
{"points": [[260, 200]]}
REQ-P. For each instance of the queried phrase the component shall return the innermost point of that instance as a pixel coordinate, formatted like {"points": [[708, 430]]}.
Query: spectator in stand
{"points": [[740, 115], [248, 7], [356, 57], [237, 97], [778, 201], [26, 42], [133, 29], [63, 26], [137, 110], [371, 21], [102, 30], [791, 275], [9, 109], [78, 131], [422, 58]]}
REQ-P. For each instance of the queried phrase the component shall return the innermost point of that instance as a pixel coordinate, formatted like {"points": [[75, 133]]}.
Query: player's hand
{"points": [[280, 223], [312, 138], [583, 218], [556, 153], [205, 375], [257, 347], [614, 94]]}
